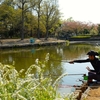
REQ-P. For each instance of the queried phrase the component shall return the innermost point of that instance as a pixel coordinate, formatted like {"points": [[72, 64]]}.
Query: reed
{"points": [[15, 87]]}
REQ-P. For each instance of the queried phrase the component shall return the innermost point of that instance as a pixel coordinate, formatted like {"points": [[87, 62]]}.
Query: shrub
{"points": [[15, 87]]}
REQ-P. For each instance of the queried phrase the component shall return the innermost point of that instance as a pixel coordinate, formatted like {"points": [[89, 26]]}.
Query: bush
{"points": [[15, 87]]}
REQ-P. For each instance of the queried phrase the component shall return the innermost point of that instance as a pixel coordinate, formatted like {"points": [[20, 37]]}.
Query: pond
{"points": [[58, 63]]}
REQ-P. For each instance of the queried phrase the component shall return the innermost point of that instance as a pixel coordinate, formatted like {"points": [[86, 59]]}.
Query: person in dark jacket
{"points": [[95, 62]]}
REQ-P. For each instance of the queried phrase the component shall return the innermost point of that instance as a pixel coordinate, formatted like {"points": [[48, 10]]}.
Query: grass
{"points": [[29, 87], [85, 36]]}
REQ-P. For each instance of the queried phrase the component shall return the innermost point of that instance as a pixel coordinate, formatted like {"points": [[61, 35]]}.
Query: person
{"points": [[95, 62]]}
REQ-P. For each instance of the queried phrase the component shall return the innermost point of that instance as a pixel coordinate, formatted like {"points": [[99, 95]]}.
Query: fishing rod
{"points": [[67, 74], [59, 60], [76, 74], [44, 59], [77, 86]]}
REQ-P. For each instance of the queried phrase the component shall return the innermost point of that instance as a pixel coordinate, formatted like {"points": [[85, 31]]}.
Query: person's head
{"points": [[92, 54]]}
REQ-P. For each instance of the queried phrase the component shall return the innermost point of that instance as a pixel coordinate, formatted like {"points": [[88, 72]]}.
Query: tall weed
{"points": [[15, 87]]}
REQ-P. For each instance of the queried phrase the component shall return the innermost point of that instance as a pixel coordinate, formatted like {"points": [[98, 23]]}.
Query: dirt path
{"points": [[8, 43], [92, 93], [12, 41]]}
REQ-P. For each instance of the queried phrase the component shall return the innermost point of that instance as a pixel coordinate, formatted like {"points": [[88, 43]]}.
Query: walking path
{"points": [[6, 43]]}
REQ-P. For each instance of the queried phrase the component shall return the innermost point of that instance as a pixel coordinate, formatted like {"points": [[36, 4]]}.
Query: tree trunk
{"points": [[38, 29], [22, 31]]}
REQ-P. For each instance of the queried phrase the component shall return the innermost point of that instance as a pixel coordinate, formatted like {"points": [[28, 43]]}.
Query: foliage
{"points": [[98, 29], [24, 18], [24, 85], [39, 18], [50, 16], [71, 28], [99, 53]]}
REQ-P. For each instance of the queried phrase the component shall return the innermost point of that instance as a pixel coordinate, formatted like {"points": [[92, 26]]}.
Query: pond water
{"points": [[58, 63]]}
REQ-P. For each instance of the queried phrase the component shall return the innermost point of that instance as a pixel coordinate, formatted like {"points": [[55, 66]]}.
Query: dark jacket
{"points": [[95, 63]]}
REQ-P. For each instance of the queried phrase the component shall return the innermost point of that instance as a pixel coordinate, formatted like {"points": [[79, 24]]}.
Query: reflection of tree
{"points": [[60, 51], [77, 50], [23, 59], [53, 67]]}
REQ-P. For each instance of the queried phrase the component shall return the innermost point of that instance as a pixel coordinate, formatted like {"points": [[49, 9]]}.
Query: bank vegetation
{"points": [[39, 19]]}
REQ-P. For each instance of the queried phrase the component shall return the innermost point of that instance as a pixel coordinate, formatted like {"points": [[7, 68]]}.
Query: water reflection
{"points": [[57, 65]]}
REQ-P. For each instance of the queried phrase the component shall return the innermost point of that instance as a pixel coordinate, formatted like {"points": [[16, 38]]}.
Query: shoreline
{"points": [[9, 43], [17, 43]]}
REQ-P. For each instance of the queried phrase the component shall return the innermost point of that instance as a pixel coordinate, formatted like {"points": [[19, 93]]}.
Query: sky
{"points": [[81, 10]]}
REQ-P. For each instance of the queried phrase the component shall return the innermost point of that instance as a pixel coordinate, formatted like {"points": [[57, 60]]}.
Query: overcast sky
{"points": [[81, 10]]}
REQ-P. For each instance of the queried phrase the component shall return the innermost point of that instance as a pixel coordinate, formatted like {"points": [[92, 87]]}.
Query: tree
{"points": [[19, 17], [38, 10], [6, 18], [78, 28], [93, 31], [24, 5], [98, 29], [50, 15]]}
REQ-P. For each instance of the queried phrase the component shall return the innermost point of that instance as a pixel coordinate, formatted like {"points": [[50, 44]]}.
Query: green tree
{"points": [[24, 17], [98, 29], [94, 30], [38, 10], [24, 5], [6, 18], [50, 15]]}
